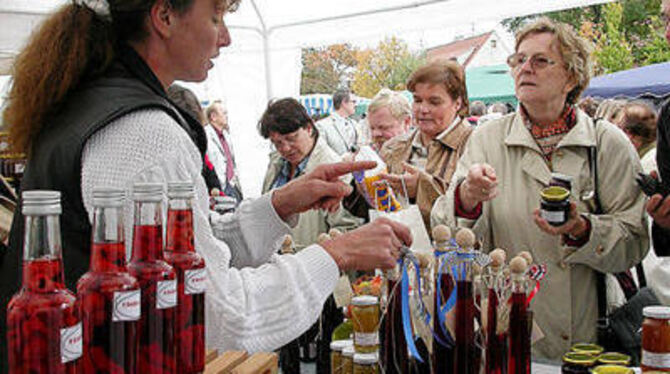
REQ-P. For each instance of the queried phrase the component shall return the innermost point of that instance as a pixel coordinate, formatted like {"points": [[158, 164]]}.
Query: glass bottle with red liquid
{"points": [[394, 357], [465, 350], [158, 283], [442, 357], [44, 330], [496, 341], [191, 276], [519, 320], [108, 295]]}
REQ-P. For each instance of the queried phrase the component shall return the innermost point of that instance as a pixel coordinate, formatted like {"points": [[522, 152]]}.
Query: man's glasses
{"points": [[537, 62]]}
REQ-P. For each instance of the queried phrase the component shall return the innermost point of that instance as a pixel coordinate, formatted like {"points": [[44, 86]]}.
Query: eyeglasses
{"points": [[537, 62]]}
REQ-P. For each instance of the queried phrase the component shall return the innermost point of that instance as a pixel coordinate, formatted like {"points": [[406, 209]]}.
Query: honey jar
{"points": [[365, 320], [577, 363], [366, 363], [555, 205], [336, 348], [656, 339]]}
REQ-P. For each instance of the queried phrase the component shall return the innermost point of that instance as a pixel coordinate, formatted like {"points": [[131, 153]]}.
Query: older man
{"points": [[338, 130], [220, 150], [389, 115]]}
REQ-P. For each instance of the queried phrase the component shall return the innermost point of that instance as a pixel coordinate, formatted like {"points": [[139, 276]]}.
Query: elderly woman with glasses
{"points": [[495, 189]]}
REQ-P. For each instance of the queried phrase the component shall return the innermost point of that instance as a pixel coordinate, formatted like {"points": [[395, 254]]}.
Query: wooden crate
{"points": [[240, 362]]}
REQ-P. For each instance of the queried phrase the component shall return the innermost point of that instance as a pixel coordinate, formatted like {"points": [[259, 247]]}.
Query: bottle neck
{"points": [[108, 250], [42, 261], [148, 231], [518, 283], [179, 236]]}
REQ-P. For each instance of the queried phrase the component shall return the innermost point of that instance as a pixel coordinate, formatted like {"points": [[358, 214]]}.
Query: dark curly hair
{"points": [[284, 116]]}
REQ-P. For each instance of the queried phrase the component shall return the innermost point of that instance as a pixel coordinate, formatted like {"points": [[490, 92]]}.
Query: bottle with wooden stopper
{"points": [[519, 320], [442, 358], [394, 357], [496, 341], [465, 351], [287, 246]]}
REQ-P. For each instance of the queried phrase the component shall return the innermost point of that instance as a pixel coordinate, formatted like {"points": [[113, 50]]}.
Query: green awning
{"points": [[490, 84]]}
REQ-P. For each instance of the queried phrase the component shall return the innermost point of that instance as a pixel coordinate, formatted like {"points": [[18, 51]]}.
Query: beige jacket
{"points": [[566, 306], [443, 154], [313, 222]]}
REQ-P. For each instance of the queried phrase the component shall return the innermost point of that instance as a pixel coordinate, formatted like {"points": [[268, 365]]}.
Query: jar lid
{"points": [[364, 300], [612, 369], [366, 358], [41, 202], [182, 189], [658, 312], [339, 345], [108, 197], [579, 358], [589, 348], [151, 192], [614, 358], [554, 193], [348, 351]]}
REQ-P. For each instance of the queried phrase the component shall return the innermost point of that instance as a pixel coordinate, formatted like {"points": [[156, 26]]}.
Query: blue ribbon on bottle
{"points": [[406, 323]]}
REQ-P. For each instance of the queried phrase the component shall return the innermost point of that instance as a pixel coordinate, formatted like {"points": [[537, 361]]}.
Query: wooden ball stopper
{"points": [[527, 256], [323, 237], [465, 238], [497, 257], [441, 233], [518, 265], [334, 233]]}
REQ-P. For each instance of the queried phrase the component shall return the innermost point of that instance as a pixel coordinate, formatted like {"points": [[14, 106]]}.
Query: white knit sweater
{"points": [[254, 309]]}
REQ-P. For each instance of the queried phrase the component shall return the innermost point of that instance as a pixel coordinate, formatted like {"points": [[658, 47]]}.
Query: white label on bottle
{"points": [[656, 360], [71, 340], [127, 306], [194, 281], [551, 216], [19, 168], [166, 294], [366, 339]]}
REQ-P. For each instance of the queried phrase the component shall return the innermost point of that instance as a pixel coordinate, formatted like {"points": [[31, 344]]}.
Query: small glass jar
{"points": [[555, 205], [366, 363], [614, 358], [656, 339], [348, 360], [336, 348], [577, 363], [612, 369], [365, 318]]}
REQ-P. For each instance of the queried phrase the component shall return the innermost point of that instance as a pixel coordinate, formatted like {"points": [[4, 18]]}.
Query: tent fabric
{"points": [[264, 60], [490, 84], [651, 80]]}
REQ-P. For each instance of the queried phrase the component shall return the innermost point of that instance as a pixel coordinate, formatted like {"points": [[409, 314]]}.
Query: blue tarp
{"points": [[651, 80]]}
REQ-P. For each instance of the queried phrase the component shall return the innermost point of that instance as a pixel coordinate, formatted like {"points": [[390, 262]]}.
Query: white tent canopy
{"points": [[264, 60]]}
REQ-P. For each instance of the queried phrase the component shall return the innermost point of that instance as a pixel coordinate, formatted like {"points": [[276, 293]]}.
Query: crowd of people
{"points": [[116, 118]]}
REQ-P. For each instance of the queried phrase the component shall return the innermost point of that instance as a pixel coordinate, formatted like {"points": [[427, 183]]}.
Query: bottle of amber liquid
{"points": [[442, 357], [190, 267], [109, 296], [44, 330], [158, 282], [394, 358], [519, 320], [656, 339]]}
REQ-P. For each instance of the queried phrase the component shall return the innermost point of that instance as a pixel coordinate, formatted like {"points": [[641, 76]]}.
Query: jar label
{"points": [[656, 360], [166, 294], [127, 306], [553, 216], [366, 339], [71, 343], [194, 281]]}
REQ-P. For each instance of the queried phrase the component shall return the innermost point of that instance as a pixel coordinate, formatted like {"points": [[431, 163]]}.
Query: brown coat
{"points": [[443, 155]]}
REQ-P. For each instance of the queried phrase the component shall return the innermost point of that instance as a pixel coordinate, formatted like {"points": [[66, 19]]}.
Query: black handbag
{"points": [[619, 331]]}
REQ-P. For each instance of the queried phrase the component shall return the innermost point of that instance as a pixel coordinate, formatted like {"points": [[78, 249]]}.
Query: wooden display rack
{"points": [[240, 362]]}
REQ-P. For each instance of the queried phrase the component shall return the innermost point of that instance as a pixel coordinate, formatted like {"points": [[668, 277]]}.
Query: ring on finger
{"points": [[485, 191]]}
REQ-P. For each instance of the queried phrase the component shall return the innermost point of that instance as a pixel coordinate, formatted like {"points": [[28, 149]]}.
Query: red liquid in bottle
{"points": [[394, 347], [156, 327], [496, 344], [465, 350], [190, 268], [442, 358], [109, 299], [36, 317], [519, 335]]}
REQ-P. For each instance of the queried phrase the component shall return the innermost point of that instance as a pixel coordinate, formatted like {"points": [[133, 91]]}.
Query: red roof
{"points": [[458, 48]]}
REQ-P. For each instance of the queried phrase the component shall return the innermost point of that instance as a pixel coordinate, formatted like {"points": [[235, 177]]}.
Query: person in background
{"points": [[495, 189], [638, 121], [88, 104], [495, 111], [422, 161], [220, 150], [610, 110], [186, 100], [589, 105], [389, 115], [477, 109], [338, 130]]}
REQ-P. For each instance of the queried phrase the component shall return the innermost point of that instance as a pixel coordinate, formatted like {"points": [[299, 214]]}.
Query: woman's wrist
{"points": [[466, 202]]}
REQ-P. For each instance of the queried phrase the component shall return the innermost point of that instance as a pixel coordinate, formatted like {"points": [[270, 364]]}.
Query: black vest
{"points": [[55, 163]]}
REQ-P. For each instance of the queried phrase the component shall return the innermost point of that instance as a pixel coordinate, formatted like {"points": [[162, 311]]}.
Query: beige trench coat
{"points": [[313, 222], [443, 155], [566, 306]]}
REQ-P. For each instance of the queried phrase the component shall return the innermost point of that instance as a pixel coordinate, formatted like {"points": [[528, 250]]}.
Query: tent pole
{"points": [[265, 34]]}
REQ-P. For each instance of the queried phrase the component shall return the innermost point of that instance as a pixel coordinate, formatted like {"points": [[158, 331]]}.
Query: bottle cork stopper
{"points": [[288, 241], [424, 258], [322, 238], [465, 238], [441, 233], [526, 256], [497, 257], [518, 265], [476, 269], [334, 233]]}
